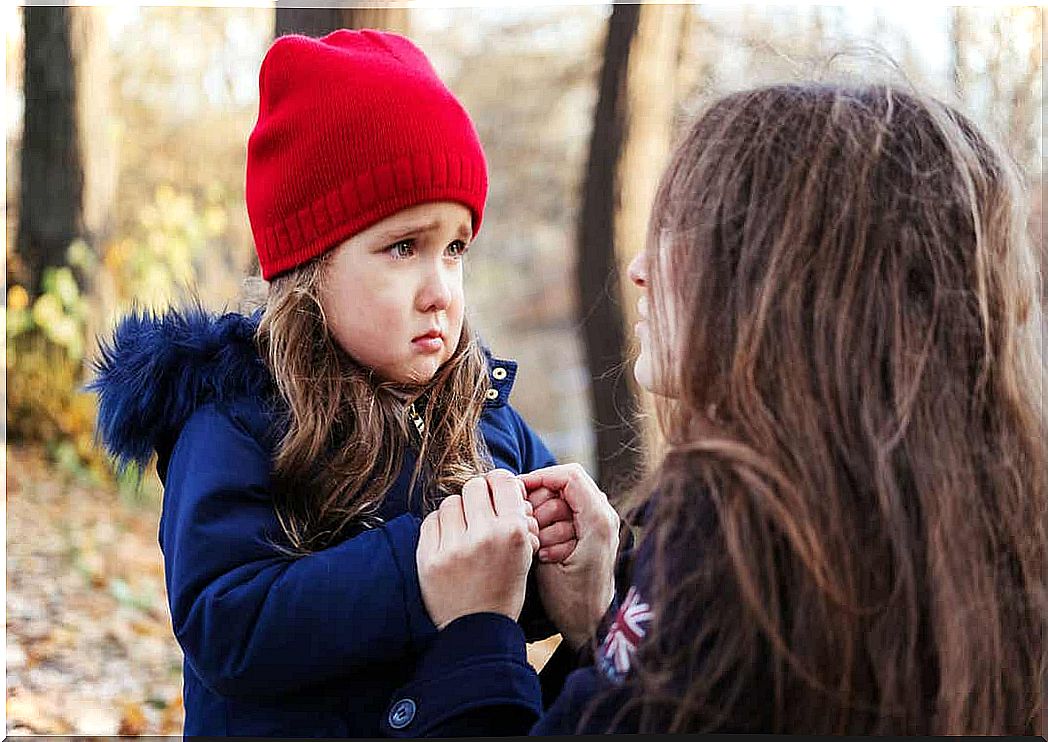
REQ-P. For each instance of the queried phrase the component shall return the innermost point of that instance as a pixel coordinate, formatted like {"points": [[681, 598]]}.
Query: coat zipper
{"points": [[413, 415]]}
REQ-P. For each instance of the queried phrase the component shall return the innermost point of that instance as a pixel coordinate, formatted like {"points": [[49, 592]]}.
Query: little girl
{"points": [[300, 446]]}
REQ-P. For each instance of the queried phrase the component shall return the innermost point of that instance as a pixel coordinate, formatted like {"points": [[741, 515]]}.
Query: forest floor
{"points": [[89, 642], [90, 649]]}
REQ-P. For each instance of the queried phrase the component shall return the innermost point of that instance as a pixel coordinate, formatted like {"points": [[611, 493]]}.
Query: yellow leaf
{"points": [[17, 297], [133, 721], [539, 652]]}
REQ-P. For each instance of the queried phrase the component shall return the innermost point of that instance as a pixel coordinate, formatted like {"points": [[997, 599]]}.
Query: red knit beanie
{"points": [[351, 129]]}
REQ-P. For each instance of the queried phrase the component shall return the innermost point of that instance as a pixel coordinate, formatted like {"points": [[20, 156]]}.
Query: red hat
{"points": [[351, 129]]}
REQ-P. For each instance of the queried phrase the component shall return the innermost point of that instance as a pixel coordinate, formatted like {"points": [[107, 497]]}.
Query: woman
{"points": [[847, 533]]}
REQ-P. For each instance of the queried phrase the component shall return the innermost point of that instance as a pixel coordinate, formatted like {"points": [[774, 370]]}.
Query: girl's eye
{"points": [[457, 249], [402, 249]]}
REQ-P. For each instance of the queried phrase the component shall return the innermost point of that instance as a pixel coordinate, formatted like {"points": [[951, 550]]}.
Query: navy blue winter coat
{"points": [[273, 645]]}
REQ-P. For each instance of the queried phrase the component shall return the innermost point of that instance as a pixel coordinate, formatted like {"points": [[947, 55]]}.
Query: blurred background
{"points": [[126, 130]]}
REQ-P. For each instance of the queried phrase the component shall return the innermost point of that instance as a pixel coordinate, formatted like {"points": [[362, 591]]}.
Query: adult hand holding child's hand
{"points": [[475, 550], [576, 590]]}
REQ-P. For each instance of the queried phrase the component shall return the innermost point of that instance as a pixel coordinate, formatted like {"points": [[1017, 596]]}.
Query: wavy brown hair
{"points": [[848, 532], [346, 431]]}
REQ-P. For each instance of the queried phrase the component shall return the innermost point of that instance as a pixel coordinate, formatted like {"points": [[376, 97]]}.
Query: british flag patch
{"points": [[624, 635]]}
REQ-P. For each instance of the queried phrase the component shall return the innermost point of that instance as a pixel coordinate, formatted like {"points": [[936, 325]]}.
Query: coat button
{"points": [[492, 394], [402, 713], [499, 373]]}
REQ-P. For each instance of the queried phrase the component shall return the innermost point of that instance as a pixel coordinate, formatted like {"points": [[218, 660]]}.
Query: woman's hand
{"points": [[577, 591], [475, 550]]}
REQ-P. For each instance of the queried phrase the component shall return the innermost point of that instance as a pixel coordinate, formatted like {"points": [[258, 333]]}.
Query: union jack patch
{"points": [[624, 635]]}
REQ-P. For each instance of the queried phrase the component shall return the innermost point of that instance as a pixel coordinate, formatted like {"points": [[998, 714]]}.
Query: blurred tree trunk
{"points": [[652, 93], [612, 395], [320, 21], [99, 152], [959, 40], [995, 73], [97, 136], [632, 135], [1025, 100], [51, 189]]}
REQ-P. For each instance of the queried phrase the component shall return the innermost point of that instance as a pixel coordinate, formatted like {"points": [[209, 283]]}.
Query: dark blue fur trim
{"points": [[157, 369]]}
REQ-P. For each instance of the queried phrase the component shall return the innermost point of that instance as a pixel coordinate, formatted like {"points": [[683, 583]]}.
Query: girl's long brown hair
{"points": [[848, 533], [346, 431]]}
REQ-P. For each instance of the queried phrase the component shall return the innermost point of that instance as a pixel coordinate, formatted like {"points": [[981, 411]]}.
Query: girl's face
{"points": [[392, 294], [647, 369]]}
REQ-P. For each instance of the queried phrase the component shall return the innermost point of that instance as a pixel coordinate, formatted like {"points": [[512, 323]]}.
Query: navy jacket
{"points": [[474, 678], [273, 645]]}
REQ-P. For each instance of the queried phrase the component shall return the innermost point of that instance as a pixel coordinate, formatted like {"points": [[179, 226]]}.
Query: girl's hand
{"points": [[475, 550], [577, 591], [556, 525]]}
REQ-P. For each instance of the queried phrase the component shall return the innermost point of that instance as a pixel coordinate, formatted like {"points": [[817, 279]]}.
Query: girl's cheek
{"points": [[381, 308]]}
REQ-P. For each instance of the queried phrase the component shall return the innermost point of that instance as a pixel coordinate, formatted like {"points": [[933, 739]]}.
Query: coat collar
{"points": [[502, 373]]}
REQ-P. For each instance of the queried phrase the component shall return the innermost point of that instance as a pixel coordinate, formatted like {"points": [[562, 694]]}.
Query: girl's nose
{"points": [[436, 291], [638, 269]]}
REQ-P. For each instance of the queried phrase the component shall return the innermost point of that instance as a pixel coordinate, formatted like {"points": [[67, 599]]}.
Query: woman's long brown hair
{"points": [[346, 431], [848, 532]]}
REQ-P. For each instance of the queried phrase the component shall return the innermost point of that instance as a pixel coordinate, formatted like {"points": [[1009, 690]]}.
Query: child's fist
{"points": [[556, 525]]}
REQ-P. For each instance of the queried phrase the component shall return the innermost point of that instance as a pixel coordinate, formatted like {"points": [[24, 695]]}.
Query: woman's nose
{"points": [[638, 270]]}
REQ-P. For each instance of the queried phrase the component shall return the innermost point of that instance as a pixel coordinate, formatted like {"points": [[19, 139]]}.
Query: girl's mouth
{"points": [[430, 342]]}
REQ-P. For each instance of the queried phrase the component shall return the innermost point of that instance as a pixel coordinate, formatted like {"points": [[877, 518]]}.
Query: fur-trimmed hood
{"points": [[156, 370]]}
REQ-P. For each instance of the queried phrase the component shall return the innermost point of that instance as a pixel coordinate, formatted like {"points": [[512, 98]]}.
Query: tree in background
{"points": [[996, 76], [633, 126], [598, 275], [46, 315], [995, 73], [51, 193], [652, 91], [319, 21], [99, 147]]}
